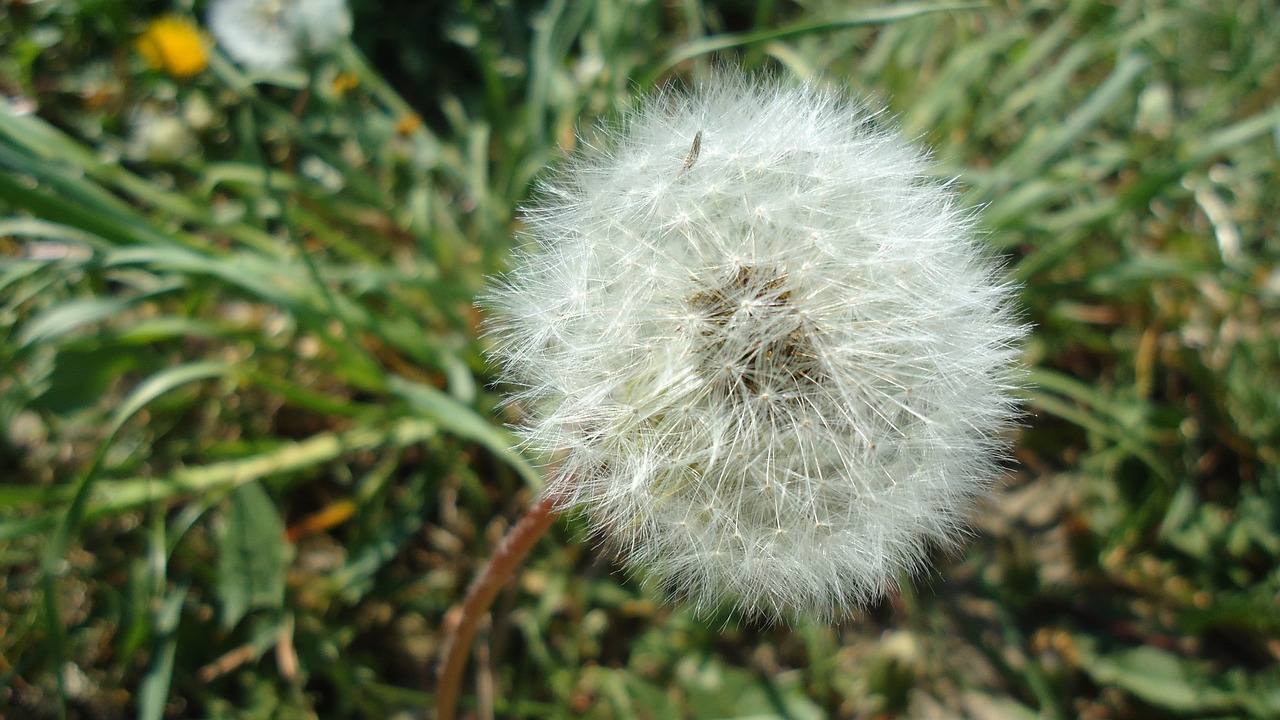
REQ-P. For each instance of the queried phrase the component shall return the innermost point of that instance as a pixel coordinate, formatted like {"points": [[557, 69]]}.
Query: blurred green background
{"points": [[251, 455]]}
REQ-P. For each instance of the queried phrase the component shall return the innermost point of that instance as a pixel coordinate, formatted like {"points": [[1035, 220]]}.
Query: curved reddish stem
{"points": [[462, 620]]}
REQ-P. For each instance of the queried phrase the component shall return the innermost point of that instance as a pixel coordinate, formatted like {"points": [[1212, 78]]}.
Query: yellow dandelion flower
{"points": [[174, 44]]}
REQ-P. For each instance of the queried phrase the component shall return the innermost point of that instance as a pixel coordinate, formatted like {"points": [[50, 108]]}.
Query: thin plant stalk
{"points": [[462, 621]]}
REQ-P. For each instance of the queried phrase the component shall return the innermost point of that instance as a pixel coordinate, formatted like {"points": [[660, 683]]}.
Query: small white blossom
{"points": [[272, 34], [772, 359], [159, 136]]}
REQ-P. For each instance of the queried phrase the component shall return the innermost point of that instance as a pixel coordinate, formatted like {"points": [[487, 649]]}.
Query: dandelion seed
{"points": [[773, 368], [174, 44], [694, 149], [273, 34]]}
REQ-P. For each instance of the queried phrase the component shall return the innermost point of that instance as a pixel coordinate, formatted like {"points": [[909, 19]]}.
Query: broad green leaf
{"points": [[81, 375], [252, 554], [1159, 678]]}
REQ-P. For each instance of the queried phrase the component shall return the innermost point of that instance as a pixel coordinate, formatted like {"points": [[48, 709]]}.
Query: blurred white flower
{"points": [[271, 34], [159, 136], [769, 354]]}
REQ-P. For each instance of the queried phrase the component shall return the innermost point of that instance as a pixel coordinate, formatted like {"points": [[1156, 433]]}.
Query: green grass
{"points": [[251, 455]]}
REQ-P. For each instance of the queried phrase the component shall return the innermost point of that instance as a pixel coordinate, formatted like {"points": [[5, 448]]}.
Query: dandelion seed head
{"points": [[769, 357], [273, 34], [159, 136]]}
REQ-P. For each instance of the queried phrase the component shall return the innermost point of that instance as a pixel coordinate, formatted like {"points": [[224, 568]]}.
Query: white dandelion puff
{"points": [[769, 356], [273, 34]]}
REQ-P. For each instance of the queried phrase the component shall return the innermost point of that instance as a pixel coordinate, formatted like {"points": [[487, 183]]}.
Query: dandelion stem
{"points": [[462, 620]]}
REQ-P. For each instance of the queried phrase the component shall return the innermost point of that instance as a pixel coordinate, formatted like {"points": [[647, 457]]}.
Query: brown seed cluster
{"points": [[755, 344]]}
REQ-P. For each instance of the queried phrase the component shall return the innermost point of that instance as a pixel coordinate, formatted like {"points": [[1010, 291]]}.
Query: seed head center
{"points": [[753, 341]]}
